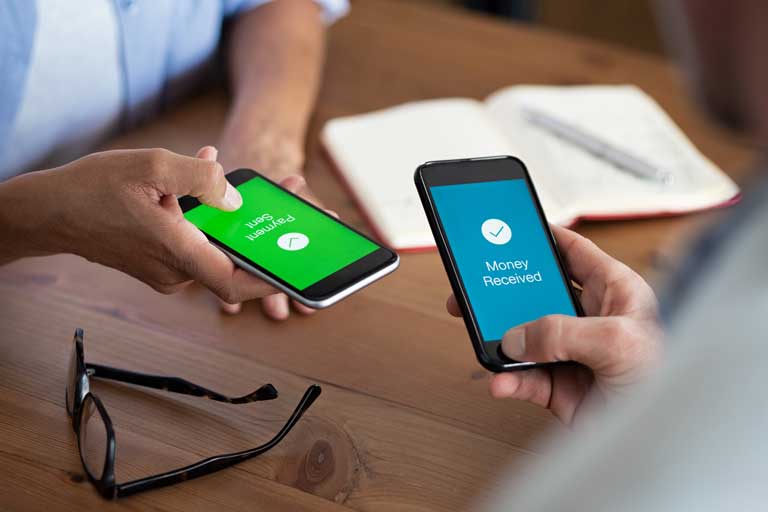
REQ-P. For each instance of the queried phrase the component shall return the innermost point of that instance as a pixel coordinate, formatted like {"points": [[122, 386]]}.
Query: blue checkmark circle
{"points": [[496, 231]]}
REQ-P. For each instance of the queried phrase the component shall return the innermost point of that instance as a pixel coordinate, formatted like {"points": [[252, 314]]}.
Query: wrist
{"points": [[253, 115], [273, 146], [28, 217]]}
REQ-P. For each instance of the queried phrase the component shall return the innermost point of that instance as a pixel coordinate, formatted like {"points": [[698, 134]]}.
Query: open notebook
{"points": [[377, 153]]}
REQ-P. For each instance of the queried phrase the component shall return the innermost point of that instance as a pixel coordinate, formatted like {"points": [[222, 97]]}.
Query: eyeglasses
{"points": [[96, 437]]}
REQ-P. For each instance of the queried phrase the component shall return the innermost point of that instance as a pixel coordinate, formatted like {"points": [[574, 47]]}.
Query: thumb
{"points": [[600, 343], [232, 197], [202, 177]]}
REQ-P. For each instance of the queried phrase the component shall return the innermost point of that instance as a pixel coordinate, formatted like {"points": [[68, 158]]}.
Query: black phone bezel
{"points": [[326, 287], [476, 170]]}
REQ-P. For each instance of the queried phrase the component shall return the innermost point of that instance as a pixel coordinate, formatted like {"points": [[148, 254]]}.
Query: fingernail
{"points": [[513, 343], [282, 309], [208, 153], [231, 309], [232, 198]]}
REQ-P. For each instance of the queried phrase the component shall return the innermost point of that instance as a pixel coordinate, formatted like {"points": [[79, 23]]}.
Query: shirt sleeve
{"points": [[332, 9]]}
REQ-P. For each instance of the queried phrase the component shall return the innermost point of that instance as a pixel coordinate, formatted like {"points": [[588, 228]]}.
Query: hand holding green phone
{"points": [[293, 245]]}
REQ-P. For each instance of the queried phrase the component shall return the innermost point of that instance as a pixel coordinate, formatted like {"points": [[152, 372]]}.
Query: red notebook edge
{"points": [[585, 218], [658, 214]]}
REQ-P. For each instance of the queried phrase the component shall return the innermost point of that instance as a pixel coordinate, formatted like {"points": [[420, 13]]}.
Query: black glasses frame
{"points": [[105, 483]]}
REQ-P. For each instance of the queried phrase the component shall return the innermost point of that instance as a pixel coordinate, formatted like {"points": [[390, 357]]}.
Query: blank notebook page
{"points": [[624, 116]]}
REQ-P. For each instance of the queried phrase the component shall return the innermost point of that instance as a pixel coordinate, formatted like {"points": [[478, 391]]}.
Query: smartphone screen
{"points": [[287, 238], [501, 248]]}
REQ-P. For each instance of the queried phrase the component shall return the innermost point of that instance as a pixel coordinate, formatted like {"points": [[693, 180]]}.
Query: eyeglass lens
{"points": [[93, 438]]}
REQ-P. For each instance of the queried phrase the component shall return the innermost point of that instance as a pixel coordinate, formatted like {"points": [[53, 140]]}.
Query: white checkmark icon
{"points": [[496, 231], [293, 241]]}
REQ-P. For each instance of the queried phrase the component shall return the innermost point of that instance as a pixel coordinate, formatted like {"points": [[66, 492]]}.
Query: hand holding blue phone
{"points": [[497, 248], [616, 343]]}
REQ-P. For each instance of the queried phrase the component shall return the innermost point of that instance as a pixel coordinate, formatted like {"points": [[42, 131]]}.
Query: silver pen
{"points": [[600, 148]]}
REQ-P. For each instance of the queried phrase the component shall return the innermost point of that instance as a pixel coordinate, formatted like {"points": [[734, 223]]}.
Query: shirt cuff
{"points": [[332, 9]]}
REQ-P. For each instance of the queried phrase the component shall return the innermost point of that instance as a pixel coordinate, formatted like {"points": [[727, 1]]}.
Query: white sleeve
{"points": [[333, 9]]}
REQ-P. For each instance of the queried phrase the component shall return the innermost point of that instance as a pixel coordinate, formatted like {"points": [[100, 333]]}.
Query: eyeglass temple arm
{"points": [[176, 385], [219, 462]]}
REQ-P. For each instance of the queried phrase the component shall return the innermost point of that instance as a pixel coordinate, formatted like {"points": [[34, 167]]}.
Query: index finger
{"points": [[585, 260]]}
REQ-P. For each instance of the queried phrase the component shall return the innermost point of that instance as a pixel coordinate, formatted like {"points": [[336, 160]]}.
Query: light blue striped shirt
{"points": [[73, 75]]}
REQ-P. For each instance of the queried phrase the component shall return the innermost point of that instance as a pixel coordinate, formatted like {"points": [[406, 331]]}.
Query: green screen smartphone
{"points": [[289, 243]]}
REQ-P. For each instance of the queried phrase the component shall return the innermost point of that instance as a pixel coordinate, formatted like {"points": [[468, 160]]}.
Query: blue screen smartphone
{"points": [[497, 248]]}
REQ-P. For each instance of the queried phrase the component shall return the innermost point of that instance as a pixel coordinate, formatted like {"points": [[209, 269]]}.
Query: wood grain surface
{"points": [[405, 421]]}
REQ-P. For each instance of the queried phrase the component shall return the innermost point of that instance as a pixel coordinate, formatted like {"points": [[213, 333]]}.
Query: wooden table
{"points": [[405, 421]]}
